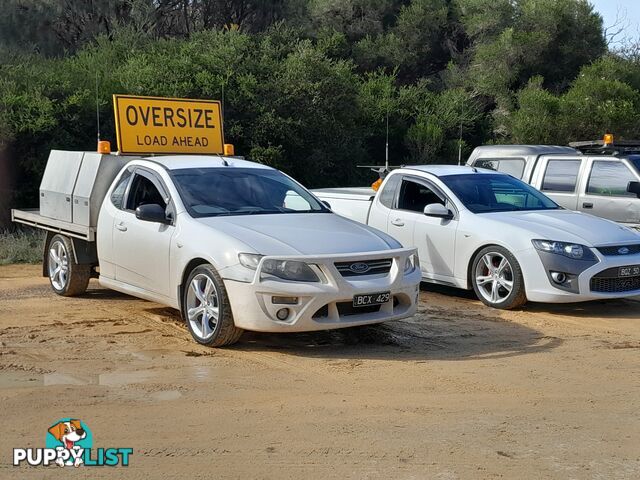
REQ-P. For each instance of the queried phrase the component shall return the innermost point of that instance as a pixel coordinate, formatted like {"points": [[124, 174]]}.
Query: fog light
{"points": [[282, 314], [284, 300], [559, 277]]}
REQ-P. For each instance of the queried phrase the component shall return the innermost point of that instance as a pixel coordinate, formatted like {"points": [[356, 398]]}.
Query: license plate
{"points": [[371, 299], [633, 271]]}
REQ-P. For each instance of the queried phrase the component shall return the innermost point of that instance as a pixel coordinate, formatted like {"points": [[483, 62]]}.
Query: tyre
{"points": [[497, 278], [206, 309], [67, 278]]}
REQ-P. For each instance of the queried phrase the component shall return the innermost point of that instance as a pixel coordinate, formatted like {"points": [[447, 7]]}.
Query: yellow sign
{"points": [[168, 125]]}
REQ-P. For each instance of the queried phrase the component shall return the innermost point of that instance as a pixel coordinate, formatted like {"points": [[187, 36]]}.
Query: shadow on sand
{"points": [[448, 328]]}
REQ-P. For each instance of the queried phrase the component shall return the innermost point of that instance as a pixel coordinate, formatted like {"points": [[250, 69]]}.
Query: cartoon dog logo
{"points": [[68, 433]]}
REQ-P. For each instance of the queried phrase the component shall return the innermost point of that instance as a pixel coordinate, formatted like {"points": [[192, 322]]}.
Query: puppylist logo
{"points": [[70, 442]]}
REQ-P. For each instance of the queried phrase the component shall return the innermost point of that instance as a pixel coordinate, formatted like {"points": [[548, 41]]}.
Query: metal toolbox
{"points": [[75, 183]]}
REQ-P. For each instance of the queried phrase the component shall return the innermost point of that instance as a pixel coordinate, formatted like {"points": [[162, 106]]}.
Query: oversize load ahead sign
{"points": [[168, 125]]}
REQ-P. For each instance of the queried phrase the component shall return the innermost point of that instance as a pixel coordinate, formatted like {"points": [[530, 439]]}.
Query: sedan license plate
{"points": [[371, 299], [632, 271]]}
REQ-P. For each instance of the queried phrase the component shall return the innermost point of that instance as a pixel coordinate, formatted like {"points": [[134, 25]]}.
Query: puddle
{"points": [[20, 380], [200, 373], [166, 395], [126, 378], [147, 355], [65, 379]]}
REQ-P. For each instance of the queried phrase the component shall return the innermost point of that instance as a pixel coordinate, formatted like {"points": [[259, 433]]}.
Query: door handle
{"points": [[587, 205], [398, 222], [120, 226]]}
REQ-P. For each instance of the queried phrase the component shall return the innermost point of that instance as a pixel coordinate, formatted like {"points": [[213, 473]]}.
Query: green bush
{"points": [[24, 246]]}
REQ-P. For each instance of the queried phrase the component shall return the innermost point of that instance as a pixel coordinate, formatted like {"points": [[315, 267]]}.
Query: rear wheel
{"points": [[497, 278], [206, 309], [67, 278]]}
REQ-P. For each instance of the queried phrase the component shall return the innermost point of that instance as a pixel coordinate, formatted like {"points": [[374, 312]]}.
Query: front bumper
{"points": [[327, 305], [540, 289]]}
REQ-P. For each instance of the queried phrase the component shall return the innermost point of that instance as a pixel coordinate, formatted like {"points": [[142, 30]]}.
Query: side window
{"points": [[415, 196], [510, 166], [487, 163], [388, 192], [117, 196], [143, 192], [610, 179], [561, 176]]}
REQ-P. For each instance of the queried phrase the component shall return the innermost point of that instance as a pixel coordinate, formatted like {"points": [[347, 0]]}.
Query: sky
{"points": [[623, 8]]}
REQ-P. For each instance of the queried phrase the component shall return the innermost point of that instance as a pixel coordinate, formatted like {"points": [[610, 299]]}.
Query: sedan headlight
{"points": [[411, 263], [571, 250], [284, 269]]}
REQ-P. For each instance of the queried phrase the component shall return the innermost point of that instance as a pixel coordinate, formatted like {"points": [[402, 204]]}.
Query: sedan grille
{"points": [[364, 267], [608, 281], [619, 250]]}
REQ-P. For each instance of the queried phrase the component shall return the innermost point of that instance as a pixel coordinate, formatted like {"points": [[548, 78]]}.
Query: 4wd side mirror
{"points": [[152, 213], [634, 187], [438, 210]]}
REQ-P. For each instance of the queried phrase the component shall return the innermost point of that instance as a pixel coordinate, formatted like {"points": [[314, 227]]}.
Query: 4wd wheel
{"points": [[67, 278], [497, 278], [206, 309]]}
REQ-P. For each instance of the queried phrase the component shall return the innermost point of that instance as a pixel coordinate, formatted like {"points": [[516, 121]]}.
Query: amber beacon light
{"points": [[104, 146]]}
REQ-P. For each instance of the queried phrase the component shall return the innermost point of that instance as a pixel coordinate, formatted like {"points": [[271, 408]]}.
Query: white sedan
{"points": [[488, 231], [238, 245]]}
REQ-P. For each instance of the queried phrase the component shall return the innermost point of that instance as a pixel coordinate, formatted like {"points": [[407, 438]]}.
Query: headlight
{"points": [[290, 270], [571, 250], [411, 263], [284, 269]]}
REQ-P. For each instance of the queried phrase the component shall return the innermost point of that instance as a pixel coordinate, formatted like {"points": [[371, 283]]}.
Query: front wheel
{"points": [[497, 278], [206, 309], [67, 277]]}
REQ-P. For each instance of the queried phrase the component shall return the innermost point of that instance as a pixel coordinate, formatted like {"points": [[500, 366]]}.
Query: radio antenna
{"points": [[386, 146], [97, 107]]}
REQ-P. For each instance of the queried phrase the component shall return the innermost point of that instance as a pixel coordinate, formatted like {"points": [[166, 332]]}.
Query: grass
{"points": [[22, 246]]}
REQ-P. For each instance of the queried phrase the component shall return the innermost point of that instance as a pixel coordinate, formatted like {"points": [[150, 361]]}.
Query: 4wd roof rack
{"points": [[599, 147]]}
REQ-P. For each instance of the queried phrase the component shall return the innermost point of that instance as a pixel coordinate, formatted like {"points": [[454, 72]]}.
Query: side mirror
{"points": [[634, 187], [152, 213], [326, 204], [438, 210]]}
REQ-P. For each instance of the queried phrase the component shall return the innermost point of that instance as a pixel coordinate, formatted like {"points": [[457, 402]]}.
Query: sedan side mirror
{"points": [[438, 210], [326, 204], [152, 213], [634, 187]]}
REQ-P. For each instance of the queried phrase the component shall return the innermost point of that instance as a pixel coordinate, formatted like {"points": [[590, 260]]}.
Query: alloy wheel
{"points": [[203, 306], [494, 277], [58, 265]]}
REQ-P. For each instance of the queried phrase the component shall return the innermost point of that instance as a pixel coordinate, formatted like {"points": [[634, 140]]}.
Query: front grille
{"points": [[357, 268], [322, 312], [608, 281], [346, 309], [615, 250]]}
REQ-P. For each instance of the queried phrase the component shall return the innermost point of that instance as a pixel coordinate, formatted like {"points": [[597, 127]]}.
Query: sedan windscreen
{"points": [[208, 192], [482, 193]]}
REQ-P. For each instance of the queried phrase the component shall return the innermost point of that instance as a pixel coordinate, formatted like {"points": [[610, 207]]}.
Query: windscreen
{"points": [[635, 161], [208, 192], [483, 193]]}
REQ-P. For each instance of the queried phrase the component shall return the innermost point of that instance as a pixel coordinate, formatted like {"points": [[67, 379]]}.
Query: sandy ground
{"points": [[458, 391]]}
